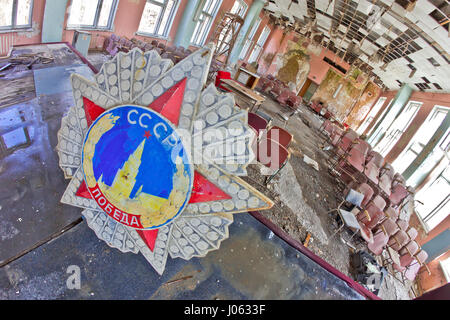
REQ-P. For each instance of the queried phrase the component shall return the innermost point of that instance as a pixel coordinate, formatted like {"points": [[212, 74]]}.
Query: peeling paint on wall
{"points": [[362, 107], [340, 104], [294, 66], [349, 99], [35, 30]]}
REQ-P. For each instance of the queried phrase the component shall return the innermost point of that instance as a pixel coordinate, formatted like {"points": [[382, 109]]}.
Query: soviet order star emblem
{"points": [[154, 158]]}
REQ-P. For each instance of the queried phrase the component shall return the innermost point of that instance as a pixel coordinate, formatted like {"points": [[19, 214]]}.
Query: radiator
{"points": [[6, 42]]}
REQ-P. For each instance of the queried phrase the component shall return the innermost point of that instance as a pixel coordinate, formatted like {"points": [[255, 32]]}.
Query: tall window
{"points": [[15, 14], [249, 40], [397, 128], [204, 21], [435, 197], [420, 138], [92, 14], [239, 8], [376, 108], [259, 45], [157, 17]]}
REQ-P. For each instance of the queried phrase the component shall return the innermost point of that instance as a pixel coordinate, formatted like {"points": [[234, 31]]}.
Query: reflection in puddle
{"points": [[15, 131]]}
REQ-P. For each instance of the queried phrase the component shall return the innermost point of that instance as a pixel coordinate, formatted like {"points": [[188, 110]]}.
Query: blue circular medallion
{"points": [[136, 167]]}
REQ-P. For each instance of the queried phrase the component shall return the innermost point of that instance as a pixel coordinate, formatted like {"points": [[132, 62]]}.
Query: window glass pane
{"points": [[105, 12], [204, 23], [244, 49], [255, 54], [435, 198], [235, 7], [204, 30], [209, 6], [239, 8], [165, 19], [150, 18], [250, 38], [195, 34], [6, 13], [82, 12], [23, 12]]}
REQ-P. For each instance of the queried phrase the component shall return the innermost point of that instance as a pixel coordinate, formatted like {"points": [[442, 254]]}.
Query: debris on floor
{"points": [[311, 162]]}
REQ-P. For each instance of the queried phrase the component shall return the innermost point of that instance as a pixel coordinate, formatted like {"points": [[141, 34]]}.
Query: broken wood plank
{"points": [[18, 89]]}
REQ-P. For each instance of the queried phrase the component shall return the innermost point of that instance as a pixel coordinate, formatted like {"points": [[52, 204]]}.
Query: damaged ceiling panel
{"points": [[385, 35]]}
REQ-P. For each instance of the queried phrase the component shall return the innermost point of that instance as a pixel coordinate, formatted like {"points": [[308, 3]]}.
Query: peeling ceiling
{"points": [[396, 41]]}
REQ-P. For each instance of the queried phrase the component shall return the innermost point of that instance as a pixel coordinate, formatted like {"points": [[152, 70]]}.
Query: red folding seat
{"points": [[372, 214], [317, 107], [275, 91], [371, 171], [380, 240], [412, 270], [412, 233], [257, 122], [280, 135], [365, 189], [388, 227], [294, 101], [398, 240], [327, 128], [376, 158], [283, 97], [392, 213], [407, 253], [347, 140], [421, 256], [384, 183], [355, 159], [272, 155], [336, 136], [399, 192], [403, 224], [327, 114], [362, 146]]}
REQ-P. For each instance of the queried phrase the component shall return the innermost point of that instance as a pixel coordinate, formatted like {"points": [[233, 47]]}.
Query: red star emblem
{"points": [[147, 134], [168, 105]]}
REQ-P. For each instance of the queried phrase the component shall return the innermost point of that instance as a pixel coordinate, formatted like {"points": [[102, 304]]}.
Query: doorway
{"points": [[308, 90]]}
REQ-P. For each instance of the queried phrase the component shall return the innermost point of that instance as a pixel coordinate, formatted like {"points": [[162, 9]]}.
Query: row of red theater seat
{"points": [[321, 110], [114, 44], [279, 91], [385, 193]]}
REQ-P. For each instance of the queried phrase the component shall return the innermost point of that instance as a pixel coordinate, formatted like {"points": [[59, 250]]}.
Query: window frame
{"points": [[212, 16], [14, 25], [94, 26], [242, 4], [250, 40], [261, 46], [436, 210], [170, 20]]}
